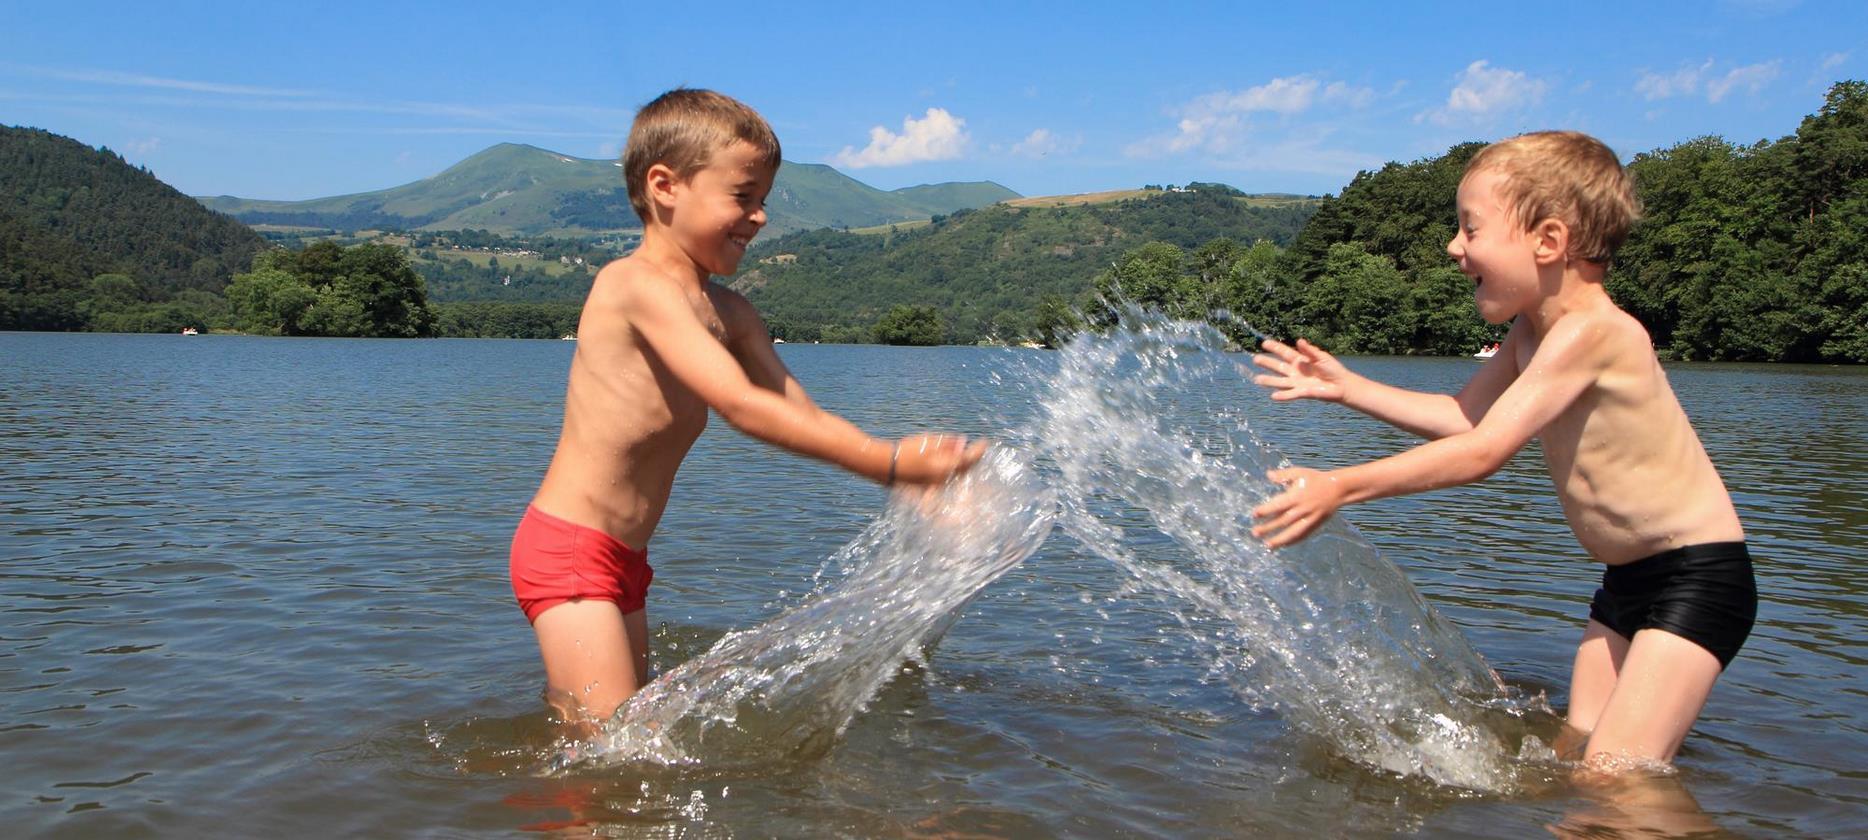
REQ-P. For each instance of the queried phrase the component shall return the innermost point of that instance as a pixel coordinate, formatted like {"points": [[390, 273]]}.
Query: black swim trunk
{"points": [[1702, 593]]}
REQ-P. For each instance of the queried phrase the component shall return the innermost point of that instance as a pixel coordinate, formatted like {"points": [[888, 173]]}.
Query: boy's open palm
{"points": [[1300, 372]]}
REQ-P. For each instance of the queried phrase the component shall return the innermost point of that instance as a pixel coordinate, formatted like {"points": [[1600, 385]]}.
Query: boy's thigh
{"points": [[593, 652], [1593, 675], [1662, 686]]}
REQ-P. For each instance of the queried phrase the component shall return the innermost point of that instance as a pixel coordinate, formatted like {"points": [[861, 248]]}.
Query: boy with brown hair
{"points": [[659, 344], [1539, 217]]}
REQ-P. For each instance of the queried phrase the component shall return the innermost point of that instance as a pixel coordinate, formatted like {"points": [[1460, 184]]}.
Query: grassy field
{"points": [[1266, 200], [484, 258], [896, 226], [1081, 198]]}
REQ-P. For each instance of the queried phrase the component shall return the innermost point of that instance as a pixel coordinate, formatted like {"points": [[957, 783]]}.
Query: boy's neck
{"points": [[660, 250], [1572, 287]]}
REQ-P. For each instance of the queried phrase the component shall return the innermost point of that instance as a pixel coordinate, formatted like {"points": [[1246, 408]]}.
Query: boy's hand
{"points": [[1309, 497], [1300, 372], [932, 459]]}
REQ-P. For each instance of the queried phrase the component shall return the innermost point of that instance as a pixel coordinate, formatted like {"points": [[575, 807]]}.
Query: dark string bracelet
{"points": [[894, 453]]}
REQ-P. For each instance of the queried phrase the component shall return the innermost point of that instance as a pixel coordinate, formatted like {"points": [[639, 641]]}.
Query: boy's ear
{"points": [[661, 182], [1551, 239]]}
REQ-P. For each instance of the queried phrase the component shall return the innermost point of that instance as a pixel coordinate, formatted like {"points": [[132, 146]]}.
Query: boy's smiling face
{"points": [[1494, 249], [721, 207]]}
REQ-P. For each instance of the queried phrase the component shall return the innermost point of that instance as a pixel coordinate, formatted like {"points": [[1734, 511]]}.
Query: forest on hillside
{"points": [[1753, 252], [88, 241], [1745, 253], [985, 271]]}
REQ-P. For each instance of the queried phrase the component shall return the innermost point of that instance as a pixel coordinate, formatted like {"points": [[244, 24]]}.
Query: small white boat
{"points": [[190, 331], [567, 337], [778, 341], [1486, 352]]}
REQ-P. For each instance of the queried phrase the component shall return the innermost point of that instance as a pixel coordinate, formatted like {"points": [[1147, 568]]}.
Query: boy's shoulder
{"points": [[625, 287], [1607, 345], [625, 281], [1603, 327]]}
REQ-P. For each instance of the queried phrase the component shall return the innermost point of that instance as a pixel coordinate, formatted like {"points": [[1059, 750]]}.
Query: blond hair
{"points": [[682, 129], [1568, 176]]}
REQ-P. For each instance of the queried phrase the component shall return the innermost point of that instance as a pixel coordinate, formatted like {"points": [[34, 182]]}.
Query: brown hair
{"points": [[682, 129], [1568, 176]]}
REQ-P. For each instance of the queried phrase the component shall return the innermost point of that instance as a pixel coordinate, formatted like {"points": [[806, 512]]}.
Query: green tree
{"points": [[1352, 306], [326, 289], [270, 301], [1150, 276], [1055, 321], [911, 325]]}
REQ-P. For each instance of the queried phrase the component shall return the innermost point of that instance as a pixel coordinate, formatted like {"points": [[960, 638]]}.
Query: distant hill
{"points": [[518, 189], [69, 213], [986, 270]]}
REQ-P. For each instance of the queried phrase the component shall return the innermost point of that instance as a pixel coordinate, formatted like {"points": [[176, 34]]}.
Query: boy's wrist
{"points": [[1346, 388]]}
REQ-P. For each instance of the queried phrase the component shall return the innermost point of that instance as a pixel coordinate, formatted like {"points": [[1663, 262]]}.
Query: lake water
{"points": [[257, 586]]}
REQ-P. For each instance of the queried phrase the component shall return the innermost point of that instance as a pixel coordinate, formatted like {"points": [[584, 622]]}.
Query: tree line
{"points": [[982, 271], [88, 241], [1744, 253]]}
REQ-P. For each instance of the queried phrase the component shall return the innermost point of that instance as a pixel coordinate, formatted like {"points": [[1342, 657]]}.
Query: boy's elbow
{"points": [[741, 413], [1484, 458], [761, 418]]}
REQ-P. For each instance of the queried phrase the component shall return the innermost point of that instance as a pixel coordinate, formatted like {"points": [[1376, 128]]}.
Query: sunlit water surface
{"points": [[258, 585]]}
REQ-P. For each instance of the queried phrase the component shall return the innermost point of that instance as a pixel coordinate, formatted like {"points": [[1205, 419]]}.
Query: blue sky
{"points": [[302, 100]]}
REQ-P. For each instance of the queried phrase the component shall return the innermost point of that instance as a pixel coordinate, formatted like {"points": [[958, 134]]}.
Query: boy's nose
{"points": [[1453, 248]]}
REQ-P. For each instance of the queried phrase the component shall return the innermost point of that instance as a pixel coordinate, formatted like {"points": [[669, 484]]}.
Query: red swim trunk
{"points": [[554, 561]]}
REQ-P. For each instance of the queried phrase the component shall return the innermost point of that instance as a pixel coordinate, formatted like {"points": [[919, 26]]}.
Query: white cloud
{"points": [[1483, 90], [1692, 80], [1751, 77], [1354, 97], [112, 77], [1288, 95], [143, 146], [1219, 122], [1041, 142], [938, 136], [1834, 60], [1682, 82]]}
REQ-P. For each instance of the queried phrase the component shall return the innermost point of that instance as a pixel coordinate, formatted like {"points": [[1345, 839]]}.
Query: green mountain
{"points": [[986, 271], [518, 189], [70, 213]]}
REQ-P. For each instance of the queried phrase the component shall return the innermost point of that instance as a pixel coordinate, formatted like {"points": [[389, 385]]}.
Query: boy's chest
{"points": [[709, 316]]}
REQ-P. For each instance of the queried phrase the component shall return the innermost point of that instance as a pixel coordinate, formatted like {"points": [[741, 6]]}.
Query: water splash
{"points": [[1328, 633], [787, 688]]}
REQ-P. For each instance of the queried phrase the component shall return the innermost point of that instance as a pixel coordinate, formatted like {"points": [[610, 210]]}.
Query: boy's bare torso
{"points": [[1628, 468], [628, 422]]}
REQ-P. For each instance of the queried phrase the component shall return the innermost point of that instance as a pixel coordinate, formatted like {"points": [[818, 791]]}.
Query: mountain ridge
{"points": [[515, 188]]}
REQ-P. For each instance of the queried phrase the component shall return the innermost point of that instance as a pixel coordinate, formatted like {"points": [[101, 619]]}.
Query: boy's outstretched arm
{"points": [[751, 345], [1566, 364], [784, 416], [1305, 371]]}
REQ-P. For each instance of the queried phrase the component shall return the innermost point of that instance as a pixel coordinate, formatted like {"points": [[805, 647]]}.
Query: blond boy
{"points": [[1539, 217], [659, 345]]}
